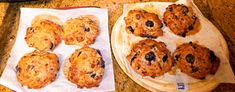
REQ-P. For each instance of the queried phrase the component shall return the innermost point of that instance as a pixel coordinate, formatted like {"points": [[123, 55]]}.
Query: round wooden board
{"points": [[201, 86]]}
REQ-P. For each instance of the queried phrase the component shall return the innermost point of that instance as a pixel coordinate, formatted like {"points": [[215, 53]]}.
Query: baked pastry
{"points": [[195, 60], [181, 20], [43, 34], [150, 58], [81, 31], [86, 68], [37, 69], [144, 24]]}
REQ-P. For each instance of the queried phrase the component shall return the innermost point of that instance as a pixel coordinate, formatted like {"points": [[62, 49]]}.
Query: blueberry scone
{"points": [[144, 24], [150, 58], [43, 34], [195, 60], [37, 69], [86, 68], [181, 20], [81, 31]]}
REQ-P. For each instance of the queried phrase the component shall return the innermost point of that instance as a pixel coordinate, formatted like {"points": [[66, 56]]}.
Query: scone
{"points": [[195, 60], [181, 20], [81, 31], [86, 68], [37, 69], [150, 58], [43, 34], [144, 24]]}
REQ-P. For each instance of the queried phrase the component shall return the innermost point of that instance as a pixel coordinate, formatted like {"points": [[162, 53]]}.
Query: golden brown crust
{"points": [[195, 60], [181, 20], [43, 35], [150, 58], [144, 24], [37, 69], [87, 67], [80, 31]]}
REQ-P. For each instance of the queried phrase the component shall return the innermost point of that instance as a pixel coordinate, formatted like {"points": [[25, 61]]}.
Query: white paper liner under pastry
{"points": [[208, 36], [61, 84]]}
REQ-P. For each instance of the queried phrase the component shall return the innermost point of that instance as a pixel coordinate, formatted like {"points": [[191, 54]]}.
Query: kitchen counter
{"points": [[220, 12]]}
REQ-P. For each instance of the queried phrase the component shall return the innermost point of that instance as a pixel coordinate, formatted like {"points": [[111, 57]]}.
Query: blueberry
{"points": [[177, 57], [102, 64], [150, 57], [202, 78], [190, 27], [130, 29], [212, 56], [18, 69], [133, 58], [165, 23], [194, 69], [31, 29], [183, 35], [149, 23], [93, 75], [99, 52], [164, 58], [79, 53], [87, 29], [190, 58], [170, 9], [51, 45]]}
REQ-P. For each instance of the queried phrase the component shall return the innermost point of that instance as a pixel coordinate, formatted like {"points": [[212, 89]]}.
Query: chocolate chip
{"points": [[130, 29], [190, 58], [79, 53], [212, 57], [164, 58], [194, 69], [177, 57], [149, 23], [137, 16], [93, 75], [190, 27], [133, 58], [102, 64], [99, 52], [87, 29], [150, 57], [51, 45]]}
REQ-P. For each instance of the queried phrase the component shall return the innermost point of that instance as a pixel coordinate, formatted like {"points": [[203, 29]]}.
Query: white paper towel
{"points": [[61, 84]]}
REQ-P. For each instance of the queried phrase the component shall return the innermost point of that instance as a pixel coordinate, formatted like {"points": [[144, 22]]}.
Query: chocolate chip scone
{"points": [[43, 35], [87, 67], [150, 58], [195, 60], [144, 24], [37, 69], [181, 20], [81, 31]]}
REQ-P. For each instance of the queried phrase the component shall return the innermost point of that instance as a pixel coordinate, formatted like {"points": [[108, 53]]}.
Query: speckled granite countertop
{"points": [[220, 12]]}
